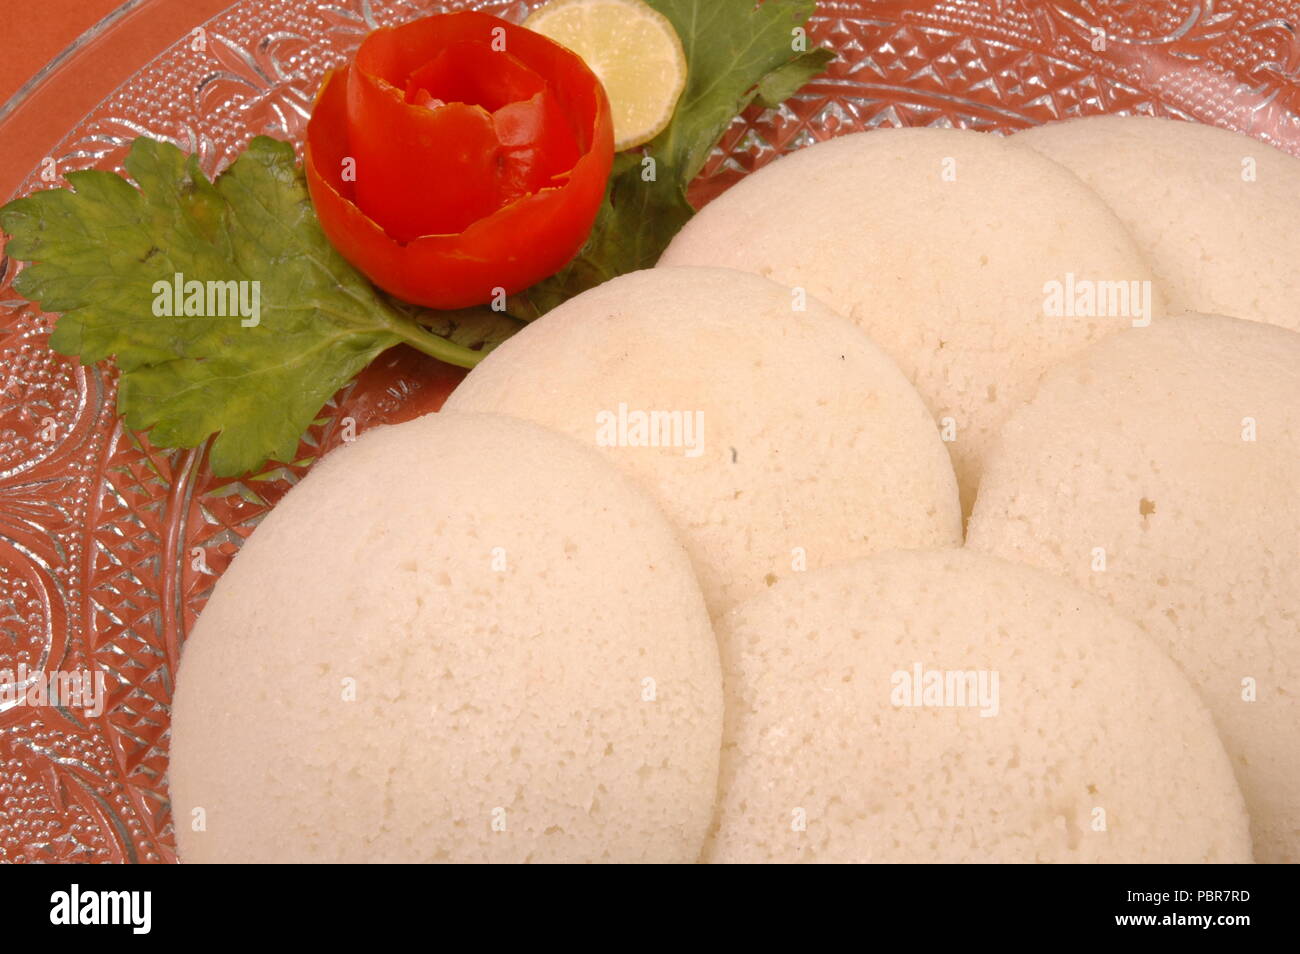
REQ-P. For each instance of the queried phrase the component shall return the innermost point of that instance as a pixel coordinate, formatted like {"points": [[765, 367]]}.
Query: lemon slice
{"points": [[634, 52]]}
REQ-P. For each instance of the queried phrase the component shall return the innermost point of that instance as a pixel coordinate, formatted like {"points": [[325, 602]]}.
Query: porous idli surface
{"points": [[942, 245], [1159, 470], [463, 638], [849, 738], [1217, 213], [811, 446]]}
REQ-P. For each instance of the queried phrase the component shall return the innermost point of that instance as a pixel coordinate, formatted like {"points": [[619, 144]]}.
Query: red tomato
{"points": [[481, 152]]}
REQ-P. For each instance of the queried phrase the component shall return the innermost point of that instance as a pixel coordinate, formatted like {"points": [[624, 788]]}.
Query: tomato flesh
{"points": [[458, 155]]}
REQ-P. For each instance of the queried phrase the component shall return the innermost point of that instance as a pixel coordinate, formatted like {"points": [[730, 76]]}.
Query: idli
{"points": [[1217, 213], [1159, 469], [949, 707], [974, 264], [463, 638], [774, 434]]}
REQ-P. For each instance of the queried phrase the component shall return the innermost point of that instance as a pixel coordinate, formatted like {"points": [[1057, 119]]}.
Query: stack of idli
{"points": [[968, 260], [493, 634], [1216, 213], [1159, 469], [801, 444], [463, 638], [950, 707]]}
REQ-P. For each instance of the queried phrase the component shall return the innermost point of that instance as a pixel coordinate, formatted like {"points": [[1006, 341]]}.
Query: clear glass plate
{"points": [[109, 547]]}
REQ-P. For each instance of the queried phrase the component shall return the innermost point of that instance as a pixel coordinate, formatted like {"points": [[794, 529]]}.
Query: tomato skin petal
{"points": [[526, 180], [512, 248], [537, 143], [460, 74], [408, 156]]}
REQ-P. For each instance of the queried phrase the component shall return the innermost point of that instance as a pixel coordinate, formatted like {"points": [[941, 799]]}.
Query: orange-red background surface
{"points": [[35, 31]]}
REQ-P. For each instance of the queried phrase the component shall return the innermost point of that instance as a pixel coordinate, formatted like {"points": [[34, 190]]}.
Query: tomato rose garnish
{"points": [[456, 155]]}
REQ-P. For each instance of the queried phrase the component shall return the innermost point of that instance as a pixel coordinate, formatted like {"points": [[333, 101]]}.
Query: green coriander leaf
{"points": [[782, 83], [731, 47], [270, 320], [735, 53], [481, 328], [635, 222]]}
